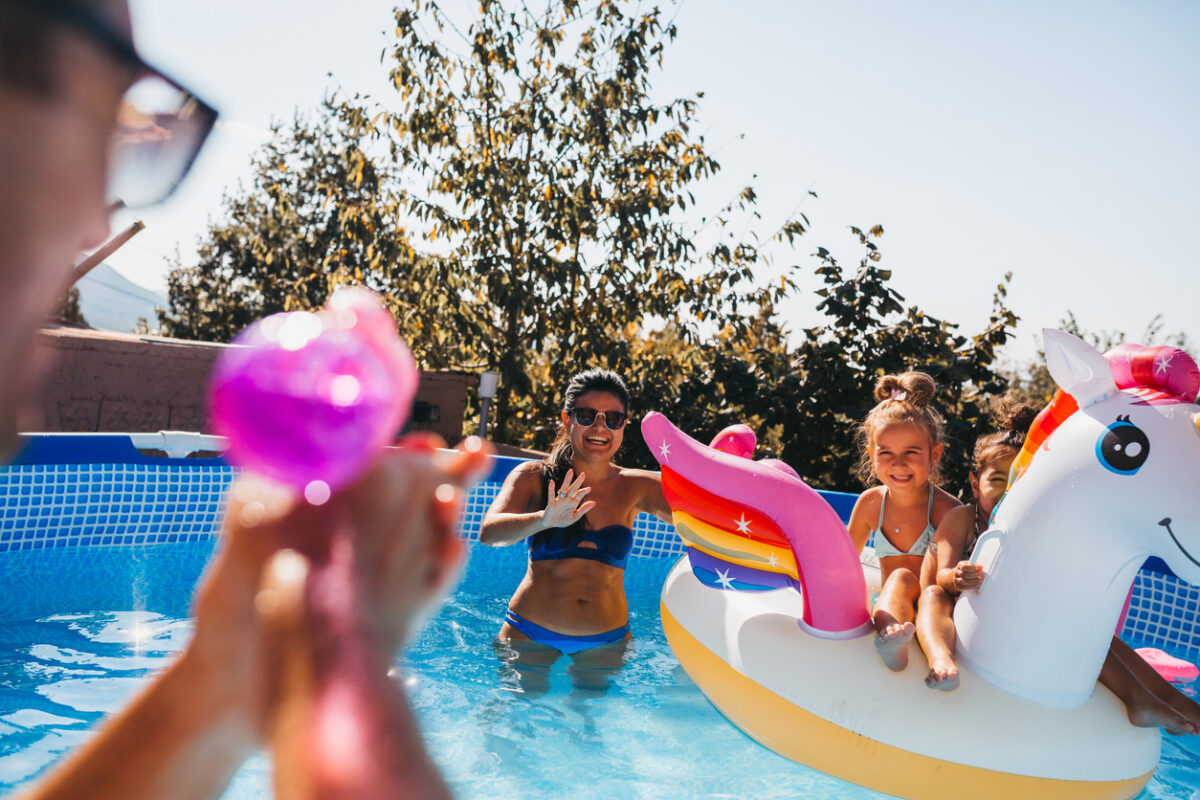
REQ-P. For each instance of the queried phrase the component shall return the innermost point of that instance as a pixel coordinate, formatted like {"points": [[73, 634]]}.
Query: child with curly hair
{"points": [[900, 443]]}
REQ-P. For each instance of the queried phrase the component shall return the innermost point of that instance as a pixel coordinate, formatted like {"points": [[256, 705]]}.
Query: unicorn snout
{"points": [[1166, 523]]}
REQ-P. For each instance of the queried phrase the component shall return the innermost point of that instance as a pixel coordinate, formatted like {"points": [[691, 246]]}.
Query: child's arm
{"points": [[863, 517], [951, 572]]}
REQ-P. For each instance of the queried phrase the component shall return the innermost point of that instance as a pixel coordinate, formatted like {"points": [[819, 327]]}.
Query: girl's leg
{"points": [[1149, 697], [893, 618], [935, 632]]}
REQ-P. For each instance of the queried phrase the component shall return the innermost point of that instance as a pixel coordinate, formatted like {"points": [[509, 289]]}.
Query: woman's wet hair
{"points": [[903, 398], [555, 465], [1012, 420]]}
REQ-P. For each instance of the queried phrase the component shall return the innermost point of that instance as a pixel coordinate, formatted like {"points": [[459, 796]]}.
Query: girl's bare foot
{"points": [[1187, 708], [943, 674], [1147, 711], [892, 644]]}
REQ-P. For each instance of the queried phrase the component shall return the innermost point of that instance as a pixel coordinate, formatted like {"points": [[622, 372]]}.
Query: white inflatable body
{"points": [[831, 705]]}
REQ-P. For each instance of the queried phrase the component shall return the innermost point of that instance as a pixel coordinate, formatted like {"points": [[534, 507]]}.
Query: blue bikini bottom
{"points": [[563, 641]]}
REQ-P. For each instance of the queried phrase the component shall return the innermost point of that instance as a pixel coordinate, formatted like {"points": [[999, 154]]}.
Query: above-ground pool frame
{"points": [[109, 490]]}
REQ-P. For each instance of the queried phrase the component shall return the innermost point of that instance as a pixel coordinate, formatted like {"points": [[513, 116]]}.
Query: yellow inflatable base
{"points": [[808, 739]]}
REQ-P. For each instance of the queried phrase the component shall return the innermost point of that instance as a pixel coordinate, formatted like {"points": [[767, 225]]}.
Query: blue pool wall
{"points": [[83, 490]]}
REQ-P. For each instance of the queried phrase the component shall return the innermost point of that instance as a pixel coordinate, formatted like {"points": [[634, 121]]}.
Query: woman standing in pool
{"points": [[575, 509], [901, 443]]}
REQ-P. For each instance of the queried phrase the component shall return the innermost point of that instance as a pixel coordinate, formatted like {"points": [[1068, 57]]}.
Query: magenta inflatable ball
{"points": [[309, 399]]}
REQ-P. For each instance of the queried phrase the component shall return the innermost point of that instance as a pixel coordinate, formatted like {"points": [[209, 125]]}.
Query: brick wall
{"points": [[113, 382]]}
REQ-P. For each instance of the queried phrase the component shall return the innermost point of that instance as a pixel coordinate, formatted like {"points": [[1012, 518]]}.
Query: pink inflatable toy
{"points": [[737, 440], [833, 587], [783, 467], [309, 399], [1171, 668]]}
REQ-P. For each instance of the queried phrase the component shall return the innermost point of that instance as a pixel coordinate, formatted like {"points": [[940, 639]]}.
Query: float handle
{"points": [[989, 547]]}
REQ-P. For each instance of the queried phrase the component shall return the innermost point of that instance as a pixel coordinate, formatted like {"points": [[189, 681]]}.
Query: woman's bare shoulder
{"points": [[638, 475], [527, 468], [525, 471], [643, 490], [527, 475]]}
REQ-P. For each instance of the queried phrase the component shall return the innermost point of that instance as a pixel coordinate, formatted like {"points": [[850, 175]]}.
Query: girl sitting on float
{"points": [[901, 445], [1150, 700], [947, 570]]}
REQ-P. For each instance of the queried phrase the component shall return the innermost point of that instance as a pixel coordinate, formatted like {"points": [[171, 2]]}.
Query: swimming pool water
{"points": [[651, 734]]}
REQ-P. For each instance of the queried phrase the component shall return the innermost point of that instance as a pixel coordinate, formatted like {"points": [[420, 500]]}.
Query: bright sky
{"points": [[1055, 140]]}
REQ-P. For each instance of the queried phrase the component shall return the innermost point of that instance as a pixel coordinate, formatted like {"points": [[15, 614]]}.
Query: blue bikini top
{"points": [[613, 543], [883, 545]]}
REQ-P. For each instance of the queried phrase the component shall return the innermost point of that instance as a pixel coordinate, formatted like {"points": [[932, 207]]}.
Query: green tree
{"points": [[556, 185], [526, 205], [322, 211]]}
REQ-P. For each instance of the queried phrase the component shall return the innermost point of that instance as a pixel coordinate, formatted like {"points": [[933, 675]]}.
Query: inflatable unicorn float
{"points": [[768, 613]]}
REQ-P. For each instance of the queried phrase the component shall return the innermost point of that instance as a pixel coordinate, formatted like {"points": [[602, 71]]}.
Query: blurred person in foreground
{"points": [[301, 612]]}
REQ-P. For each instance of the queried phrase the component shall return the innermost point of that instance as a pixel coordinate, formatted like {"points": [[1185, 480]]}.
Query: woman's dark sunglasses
{"points": [[613, 420], [160, 124]]}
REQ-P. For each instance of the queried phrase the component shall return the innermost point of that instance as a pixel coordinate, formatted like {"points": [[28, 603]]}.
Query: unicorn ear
{"points": [[1077, 367]]}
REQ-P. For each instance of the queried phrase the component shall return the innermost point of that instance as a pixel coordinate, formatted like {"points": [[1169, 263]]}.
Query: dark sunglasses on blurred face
{"points": [[613, 420], [160, 124]]}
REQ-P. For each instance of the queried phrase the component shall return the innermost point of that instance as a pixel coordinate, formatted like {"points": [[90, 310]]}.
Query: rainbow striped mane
{"points": [[1155, 374]]}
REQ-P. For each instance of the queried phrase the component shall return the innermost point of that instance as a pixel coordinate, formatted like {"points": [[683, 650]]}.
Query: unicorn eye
{"points": [[1123, 448]]}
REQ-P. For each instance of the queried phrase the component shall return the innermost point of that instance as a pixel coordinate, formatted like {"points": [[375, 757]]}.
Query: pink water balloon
{"points": [[309, 399]]}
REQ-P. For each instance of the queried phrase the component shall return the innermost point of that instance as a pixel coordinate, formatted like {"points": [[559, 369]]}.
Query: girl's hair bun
{"points": [[1015, 416], [886, 386], [1013, 420], [911, 387]]}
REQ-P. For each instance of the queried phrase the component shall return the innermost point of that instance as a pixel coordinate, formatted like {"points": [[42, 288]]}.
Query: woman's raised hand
{"points": [[563, 508]]}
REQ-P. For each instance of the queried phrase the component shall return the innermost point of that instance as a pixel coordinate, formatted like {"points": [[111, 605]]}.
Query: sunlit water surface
{"points": [[63, 665]]}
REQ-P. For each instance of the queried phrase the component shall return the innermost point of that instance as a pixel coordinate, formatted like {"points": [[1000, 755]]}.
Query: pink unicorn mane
{"points": [[1156, 374]]}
